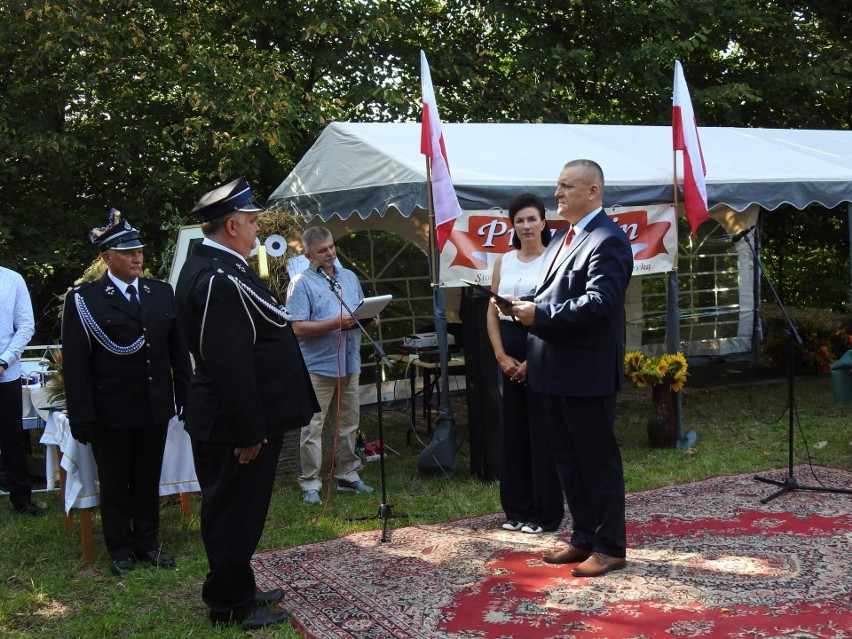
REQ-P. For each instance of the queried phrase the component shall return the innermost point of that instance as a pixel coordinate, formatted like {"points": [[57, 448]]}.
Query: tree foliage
{"points": [[144, 105]]}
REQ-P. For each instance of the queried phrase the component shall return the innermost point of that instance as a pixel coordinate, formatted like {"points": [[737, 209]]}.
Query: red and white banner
{"points": [[685, 138], [480, 236], [444, 200]]}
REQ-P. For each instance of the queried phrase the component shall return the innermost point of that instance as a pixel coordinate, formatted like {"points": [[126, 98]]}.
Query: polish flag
{"points": [[685, 137], [444, 199]]}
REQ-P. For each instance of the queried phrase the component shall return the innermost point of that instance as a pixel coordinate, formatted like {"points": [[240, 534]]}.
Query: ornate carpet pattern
{"points": [[704, 560]]}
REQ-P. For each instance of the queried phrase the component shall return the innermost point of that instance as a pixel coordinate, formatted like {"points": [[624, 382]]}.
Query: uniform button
{"points": [[150, 379]]}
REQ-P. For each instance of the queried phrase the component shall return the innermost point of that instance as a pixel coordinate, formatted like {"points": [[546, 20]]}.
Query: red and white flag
{"points": [[444, 199], [685, 137]]}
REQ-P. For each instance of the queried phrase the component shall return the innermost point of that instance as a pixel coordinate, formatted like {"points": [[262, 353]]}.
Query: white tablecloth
{"points": [[82, 489], [35, 405]]}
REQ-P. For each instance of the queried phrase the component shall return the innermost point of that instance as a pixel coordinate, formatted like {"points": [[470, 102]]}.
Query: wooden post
{"points": [[86, 535]]}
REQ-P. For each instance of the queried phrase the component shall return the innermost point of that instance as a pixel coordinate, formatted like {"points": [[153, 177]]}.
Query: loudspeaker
{"points": [[481, 379]]}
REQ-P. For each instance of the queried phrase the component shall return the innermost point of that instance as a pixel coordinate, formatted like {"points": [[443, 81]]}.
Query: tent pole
{"points": [[849, 219]]}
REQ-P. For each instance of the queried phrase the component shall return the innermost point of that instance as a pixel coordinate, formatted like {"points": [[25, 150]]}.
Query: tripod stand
{"points": [[379, 357], [789, 483], [385, 510]]}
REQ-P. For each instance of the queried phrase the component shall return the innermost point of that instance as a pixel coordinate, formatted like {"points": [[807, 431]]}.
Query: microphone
{"points": [[319, 269], [738, 236]]}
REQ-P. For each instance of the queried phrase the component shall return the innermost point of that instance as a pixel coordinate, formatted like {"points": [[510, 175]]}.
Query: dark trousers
{"points": [[529, 485], [235, 501], [589, 465], [12, 444], [129, 463]]}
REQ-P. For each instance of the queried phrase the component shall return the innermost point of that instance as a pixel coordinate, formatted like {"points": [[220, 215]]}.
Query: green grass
{"points": [[47, 592]]}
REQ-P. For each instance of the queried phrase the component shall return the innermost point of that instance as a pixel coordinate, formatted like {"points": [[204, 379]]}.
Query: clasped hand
{"points": [[513, 369]]}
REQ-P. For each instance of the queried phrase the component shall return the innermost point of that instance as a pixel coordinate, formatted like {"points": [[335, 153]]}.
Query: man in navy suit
{"points": [[575, 362]]}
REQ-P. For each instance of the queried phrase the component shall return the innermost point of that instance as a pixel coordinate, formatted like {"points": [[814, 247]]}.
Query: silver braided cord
{"points": [[257, 301], [98, 333]]}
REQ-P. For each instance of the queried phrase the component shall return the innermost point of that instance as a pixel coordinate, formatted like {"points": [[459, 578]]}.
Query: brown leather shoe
{"points": [[569, 555], [598, 564]]}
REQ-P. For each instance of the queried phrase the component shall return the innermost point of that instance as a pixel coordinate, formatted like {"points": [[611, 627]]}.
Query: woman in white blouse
{"points": [[529, 486]]}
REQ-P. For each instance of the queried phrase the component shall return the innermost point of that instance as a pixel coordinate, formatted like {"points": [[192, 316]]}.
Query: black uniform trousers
{"points": [[588, 460], [235, 501], [530, 491], [12, 444], [129, 461]]}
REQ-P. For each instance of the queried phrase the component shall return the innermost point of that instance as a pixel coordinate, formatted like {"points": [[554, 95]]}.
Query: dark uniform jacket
{"points": [[123, 390], [250, 379]]}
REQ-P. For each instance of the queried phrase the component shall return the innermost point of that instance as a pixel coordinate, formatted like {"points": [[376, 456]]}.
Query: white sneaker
{"points": [[511, 524], [353, 486], [311, 497], [532, 529]]}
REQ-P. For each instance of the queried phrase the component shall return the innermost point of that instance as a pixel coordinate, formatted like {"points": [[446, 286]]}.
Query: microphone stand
{"points": [[789, 483], [379, 357]]}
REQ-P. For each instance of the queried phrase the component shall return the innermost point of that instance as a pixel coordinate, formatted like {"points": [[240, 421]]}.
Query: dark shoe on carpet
{"points": [[157, 558], [569, 555], [256, 619], [268, 597], [511, 524], [118, 567], [598, 565], [31, 509]]}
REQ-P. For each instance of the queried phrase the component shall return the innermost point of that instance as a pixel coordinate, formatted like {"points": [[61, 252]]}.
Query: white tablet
{"points": [[369, 307]]}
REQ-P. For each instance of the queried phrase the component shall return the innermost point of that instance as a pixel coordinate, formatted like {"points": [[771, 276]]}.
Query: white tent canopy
{"points": [[372, 176], [376, 169]]}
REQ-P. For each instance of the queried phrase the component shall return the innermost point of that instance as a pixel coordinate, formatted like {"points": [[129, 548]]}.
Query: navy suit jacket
{"points": [[575, 347]]}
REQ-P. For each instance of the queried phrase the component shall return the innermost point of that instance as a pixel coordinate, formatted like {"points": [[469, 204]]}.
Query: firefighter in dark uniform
{"points": [[250, 386], [126, 369]]}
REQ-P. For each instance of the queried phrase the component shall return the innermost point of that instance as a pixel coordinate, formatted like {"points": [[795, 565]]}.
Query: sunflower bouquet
{"points": [[669, 369]]}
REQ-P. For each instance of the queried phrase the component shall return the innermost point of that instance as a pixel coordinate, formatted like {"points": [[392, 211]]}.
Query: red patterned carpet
{"points": [[704, 560]]}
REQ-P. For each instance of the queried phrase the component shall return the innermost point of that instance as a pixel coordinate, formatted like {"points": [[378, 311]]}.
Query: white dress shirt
{"points": [[17, 324]]}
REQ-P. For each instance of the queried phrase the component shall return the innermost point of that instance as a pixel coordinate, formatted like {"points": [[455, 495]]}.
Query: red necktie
{"points": [[565, 244]]}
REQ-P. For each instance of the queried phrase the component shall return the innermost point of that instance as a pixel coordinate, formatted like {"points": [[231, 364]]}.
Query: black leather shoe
{"points": [[268, 597], [260, 618], [257, 618], [31, 509], [120, 566], [157, 558]]}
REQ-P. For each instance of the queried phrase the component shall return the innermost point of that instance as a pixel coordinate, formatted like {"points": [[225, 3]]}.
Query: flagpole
{"points": [[433, 272], [439, 454], [684, 439]]}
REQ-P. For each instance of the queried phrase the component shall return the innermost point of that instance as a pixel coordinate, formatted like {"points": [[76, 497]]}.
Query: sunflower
{"points": [[669, 369]]}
